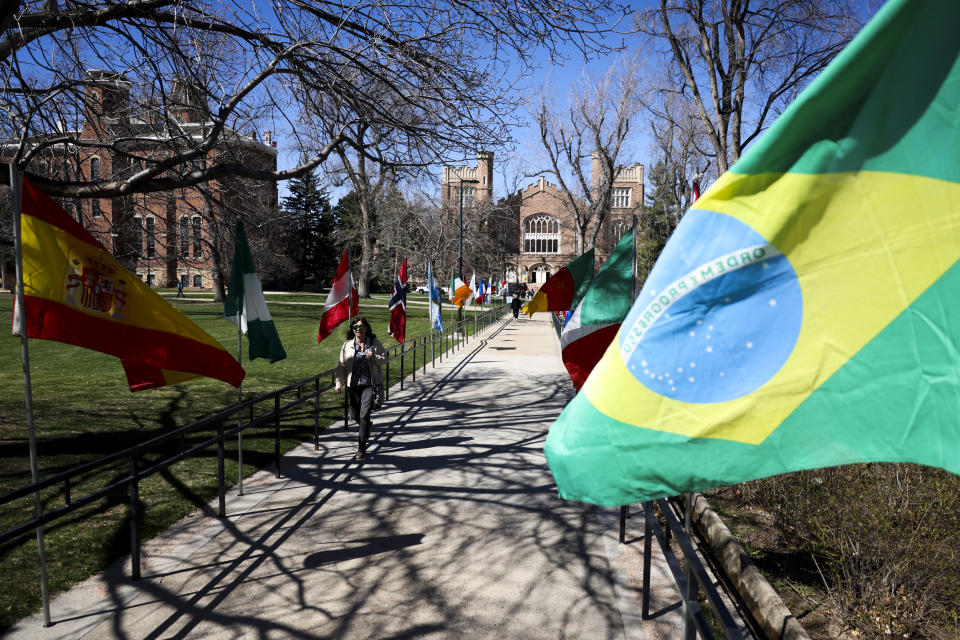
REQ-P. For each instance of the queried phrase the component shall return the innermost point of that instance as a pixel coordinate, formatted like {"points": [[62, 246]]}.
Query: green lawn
{"points": [[84, 411]]}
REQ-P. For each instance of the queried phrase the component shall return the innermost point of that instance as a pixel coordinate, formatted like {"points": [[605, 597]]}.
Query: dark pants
{"points": [[361, 404], [516, 313]]}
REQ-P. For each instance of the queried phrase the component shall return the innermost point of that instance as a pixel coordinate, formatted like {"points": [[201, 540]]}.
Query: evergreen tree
{"points": [[310, 240], [659, 217]]}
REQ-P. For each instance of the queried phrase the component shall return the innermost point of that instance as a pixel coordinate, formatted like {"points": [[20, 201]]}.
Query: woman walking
{"points": [[359, 369]]}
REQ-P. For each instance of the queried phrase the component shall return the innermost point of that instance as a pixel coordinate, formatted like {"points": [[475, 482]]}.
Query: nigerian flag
{"points": [[806, 312], [246, 307]]}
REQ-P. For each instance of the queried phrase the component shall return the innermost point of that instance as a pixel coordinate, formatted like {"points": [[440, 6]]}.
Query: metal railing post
{"points": [[689, 626], [624, 514], [134, 515], [316, 414], [221, 480], [647, 555], [276, 433], [414, 360], [401, 367]]}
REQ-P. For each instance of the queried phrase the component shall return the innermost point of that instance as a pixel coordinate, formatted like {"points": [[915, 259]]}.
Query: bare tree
{"points": [[680, 145], [741, 62], [583, 144], [257, 63]]}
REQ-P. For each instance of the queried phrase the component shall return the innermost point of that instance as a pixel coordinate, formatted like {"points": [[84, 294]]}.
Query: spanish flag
{"points": [[806, 312], [74, 291]]}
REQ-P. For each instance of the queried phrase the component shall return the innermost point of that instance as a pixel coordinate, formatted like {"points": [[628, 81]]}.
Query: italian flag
{"points": [[246, 307], [565, 288]]}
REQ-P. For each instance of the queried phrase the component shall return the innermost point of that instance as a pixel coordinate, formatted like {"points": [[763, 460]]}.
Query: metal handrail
{"points": [[132, 478], [683, 573]]}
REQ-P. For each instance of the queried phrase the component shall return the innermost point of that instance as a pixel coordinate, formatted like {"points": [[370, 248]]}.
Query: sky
{"points": [[560, 77]]}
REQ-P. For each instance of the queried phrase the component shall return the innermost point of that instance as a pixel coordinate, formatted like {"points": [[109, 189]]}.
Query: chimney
{"points": [[267, 138]]}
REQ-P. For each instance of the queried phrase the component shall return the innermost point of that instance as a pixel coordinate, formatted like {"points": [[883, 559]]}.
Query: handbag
{"points": [[379, 396]]}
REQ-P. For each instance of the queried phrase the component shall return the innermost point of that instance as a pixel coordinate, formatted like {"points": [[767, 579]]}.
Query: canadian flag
{"points": [[342, 301]]}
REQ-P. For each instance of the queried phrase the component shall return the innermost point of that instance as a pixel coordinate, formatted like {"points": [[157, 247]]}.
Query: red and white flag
{"points": [[398, 305], [342, 301]]}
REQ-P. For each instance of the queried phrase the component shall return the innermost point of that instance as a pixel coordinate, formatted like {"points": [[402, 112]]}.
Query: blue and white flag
{"points": [[436, 318]]}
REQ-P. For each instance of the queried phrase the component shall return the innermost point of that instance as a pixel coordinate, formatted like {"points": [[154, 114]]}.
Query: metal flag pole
{"points": [[20, 318], [241, 311], [346, 391]]}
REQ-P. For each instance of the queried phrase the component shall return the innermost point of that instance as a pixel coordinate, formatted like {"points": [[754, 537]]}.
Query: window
{"points": [[541, 234], [95, 210], [198, 281], [196, 238], [541, 274], [184, 238], [185, 279], [467, 194], [621, 198], [151, 280], [138, 229], [151, 229], [94, 168]]}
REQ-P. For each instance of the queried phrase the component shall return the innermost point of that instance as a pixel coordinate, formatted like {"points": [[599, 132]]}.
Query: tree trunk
{"points": [[216, 265], [366, 253]]}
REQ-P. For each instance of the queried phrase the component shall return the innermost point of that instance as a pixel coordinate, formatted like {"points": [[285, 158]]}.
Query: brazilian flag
{"points": [[806, 312]]}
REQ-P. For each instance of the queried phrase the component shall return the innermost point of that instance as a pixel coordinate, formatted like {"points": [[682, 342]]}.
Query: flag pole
{"points": [[16, 187], [241, 310]]}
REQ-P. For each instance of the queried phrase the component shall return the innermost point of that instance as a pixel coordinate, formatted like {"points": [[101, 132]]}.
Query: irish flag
{"points": [[806, 312], [597, 317], [245, 305], [461, 293], [565, 288], [76, 292], [342, 301]]}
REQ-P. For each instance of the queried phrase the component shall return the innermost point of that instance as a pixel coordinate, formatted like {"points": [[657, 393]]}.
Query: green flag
{"points": [[806, 311], [246, 307], [453, 285]]}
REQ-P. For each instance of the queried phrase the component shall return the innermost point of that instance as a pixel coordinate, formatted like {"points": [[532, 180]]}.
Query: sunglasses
{"points": [[359, 326]]}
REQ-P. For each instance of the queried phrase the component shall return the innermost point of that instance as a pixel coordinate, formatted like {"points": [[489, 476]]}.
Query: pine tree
{"points": [[310, 240], [659, 217]]}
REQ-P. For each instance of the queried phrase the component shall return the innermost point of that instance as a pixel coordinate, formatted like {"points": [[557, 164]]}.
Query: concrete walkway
{"points": [[451, 528]]}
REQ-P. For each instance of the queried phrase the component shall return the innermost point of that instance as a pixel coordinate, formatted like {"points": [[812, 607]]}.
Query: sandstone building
{"points": [[543, 220]]}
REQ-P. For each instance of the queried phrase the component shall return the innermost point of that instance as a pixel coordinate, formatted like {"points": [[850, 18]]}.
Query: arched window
{"points": [[94, 168], [541, 234], [541, 274]]}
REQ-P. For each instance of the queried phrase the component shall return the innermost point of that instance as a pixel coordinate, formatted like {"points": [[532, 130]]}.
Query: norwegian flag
{"points": [[398, 305]]}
